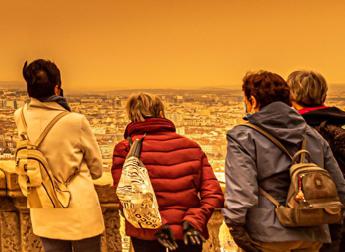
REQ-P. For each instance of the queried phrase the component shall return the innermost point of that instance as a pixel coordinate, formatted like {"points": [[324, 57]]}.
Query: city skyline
{"points": [[202, 115]]}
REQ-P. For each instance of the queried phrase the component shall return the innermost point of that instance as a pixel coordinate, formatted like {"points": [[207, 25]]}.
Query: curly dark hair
{"points": [[266, 87], [41, 77]]}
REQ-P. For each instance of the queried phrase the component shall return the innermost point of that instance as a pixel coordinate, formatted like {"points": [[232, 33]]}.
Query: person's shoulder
{"points": [[121, 148], [18, 116], [74, 122], [315, 135], [240, 130], [75, 118], [186, 141], [122, 143], [17, 113]]}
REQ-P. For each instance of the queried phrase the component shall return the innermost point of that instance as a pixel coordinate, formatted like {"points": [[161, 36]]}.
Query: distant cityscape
{"points": [[203, 115]]}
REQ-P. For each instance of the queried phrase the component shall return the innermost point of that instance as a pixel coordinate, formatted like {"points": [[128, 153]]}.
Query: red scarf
{"points": [[307, 110]]}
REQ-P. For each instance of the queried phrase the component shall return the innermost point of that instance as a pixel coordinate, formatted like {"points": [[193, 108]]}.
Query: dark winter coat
{"points": [[182, 178], [253, 160], [328, 121]]}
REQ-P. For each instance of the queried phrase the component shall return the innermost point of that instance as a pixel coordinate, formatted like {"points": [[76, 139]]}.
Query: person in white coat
{"points": [[70, 148]]}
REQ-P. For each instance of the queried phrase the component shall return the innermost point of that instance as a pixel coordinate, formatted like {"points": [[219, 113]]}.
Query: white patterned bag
{"points": [[135, 191]]}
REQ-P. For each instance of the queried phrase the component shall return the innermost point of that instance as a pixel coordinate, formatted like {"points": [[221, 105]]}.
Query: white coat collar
{"points": [[44, 105]]}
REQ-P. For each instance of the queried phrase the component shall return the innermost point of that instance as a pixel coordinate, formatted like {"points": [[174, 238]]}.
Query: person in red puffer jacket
{"points": [[186, 188]]}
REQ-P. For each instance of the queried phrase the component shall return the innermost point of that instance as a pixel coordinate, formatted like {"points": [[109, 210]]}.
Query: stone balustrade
{"points": [[15, 228]]}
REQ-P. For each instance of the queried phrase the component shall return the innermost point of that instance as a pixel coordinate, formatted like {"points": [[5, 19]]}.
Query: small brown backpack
{"points": [[312, 197]]}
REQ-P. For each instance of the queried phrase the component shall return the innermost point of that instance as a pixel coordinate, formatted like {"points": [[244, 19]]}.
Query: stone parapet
{"points": [[15, 227]]}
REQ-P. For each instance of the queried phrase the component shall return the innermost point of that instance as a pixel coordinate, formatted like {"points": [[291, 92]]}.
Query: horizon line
{"points": [[21, 85]]}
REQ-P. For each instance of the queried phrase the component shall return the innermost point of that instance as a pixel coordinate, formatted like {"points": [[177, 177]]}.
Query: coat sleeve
{"points": [[119, 156], [90, 149], [241, 178], [335, 137], [331, 165], [211, 197]]}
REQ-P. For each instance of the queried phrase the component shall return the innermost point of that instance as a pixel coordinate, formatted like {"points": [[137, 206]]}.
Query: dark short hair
{"points": [[266, 87], [41, 77]]}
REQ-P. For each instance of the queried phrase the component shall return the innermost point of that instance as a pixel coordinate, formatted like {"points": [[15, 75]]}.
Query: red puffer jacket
{"points": [[185, 185]]}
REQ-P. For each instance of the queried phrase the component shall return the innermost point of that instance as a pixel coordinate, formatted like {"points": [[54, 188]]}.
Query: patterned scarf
{"points": [[58, 99]]}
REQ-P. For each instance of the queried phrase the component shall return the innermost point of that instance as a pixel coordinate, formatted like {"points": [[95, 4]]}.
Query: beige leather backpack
{"points": [[312, 197], [36, 180]]}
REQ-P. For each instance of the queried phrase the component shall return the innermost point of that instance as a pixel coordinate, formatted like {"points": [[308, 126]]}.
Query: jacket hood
{"points": [[150, 125], [281, 121], [331, 115]]}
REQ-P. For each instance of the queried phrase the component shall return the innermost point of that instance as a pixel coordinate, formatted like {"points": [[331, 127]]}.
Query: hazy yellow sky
{"points": [[109, 44]]}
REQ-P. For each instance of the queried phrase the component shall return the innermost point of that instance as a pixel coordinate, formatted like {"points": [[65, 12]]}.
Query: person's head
{"points": [[42, 78], [308, 88], [262, 88], [144, 105]]}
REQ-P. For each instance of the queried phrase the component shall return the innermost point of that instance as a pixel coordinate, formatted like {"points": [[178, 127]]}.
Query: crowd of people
{"points": [[292, 111]]}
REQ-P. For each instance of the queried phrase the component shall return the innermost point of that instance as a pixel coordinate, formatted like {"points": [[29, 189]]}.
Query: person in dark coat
{"points": [[186, 188], [253, 160], [308, 93]]}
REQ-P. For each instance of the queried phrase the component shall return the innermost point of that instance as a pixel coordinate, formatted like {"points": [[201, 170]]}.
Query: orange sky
{"points": [[109, 44]]}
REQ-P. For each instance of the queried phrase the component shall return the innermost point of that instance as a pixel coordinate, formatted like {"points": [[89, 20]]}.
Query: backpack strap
{"points": [[304, 150], [269, 197], [275, 141], [135, 150], [24, 134], [49, 127], [269, 136], [130, 140], [302, 153]]}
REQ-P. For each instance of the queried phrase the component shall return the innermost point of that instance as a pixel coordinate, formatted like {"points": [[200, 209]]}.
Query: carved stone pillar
{"points": [[111, 239], [112, 226], [9, 226], [29, 241]]}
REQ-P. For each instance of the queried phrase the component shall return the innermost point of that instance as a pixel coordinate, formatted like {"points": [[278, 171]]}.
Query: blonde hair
{"points": [[308, 88], [144, 105]]}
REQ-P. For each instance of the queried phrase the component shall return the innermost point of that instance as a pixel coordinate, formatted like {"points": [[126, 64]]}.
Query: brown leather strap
{"points": [[3, 171], [269, 197], [304, 149], [49, 127], [269, 136], [280, 146], [301, 153]]}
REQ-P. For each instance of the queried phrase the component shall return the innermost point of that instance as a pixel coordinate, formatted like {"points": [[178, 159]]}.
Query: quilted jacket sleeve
{"points": [[119, 156], [211, 197], [332, 167]]}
